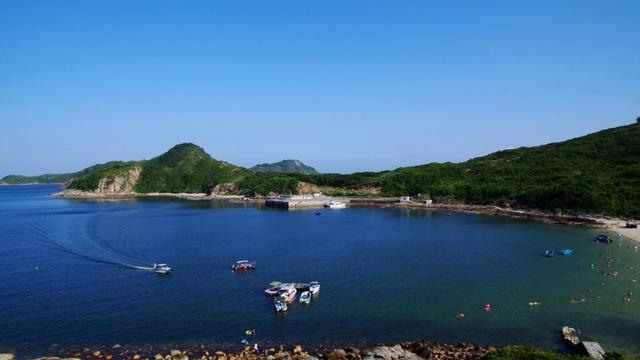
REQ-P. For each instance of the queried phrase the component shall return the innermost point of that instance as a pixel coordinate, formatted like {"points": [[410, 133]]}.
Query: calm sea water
{"points": [[386, 275]]}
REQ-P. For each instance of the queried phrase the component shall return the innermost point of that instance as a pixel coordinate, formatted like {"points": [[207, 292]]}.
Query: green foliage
{"points": [[529, 353], [594, 174], [286, 166], [349, 181], [89, 178], [39, 179], [598, 173], [266, 183], [185, 168]]}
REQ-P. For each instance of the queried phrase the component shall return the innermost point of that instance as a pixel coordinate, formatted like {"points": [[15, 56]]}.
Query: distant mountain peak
{"points": [[286, 166]]}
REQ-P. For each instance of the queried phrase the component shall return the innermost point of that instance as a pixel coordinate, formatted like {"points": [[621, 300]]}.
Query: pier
{"points": [[299, 201], [594, 350], [318, 201]]}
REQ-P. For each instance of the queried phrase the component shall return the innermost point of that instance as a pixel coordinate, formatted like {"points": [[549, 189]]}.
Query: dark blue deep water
{"points": [[386, 275]]}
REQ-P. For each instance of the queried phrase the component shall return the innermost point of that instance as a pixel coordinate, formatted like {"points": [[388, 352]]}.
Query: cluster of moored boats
{"points": [[284, 294]]}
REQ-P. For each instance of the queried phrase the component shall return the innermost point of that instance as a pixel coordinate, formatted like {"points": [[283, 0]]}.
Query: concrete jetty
{"points": [[594, 350], [299, 201]]}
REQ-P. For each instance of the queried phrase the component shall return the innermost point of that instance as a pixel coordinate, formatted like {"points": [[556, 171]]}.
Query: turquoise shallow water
{"points": [[386, 275]]}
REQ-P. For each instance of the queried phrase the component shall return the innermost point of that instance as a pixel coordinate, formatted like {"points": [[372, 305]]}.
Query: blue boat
{"points": [[604, 239], [566, 251], [548, 253]]}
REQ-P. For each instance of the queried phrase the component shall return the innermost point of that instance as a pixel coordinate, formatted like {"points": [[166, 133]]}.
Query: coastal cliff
{"points": [[119, 183]]}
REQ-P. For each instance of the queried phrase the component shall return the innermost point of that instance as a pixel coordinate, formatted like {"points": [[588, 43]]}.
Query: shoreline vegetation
{"points": [[594, 174], [614, 225], [410, 350]]}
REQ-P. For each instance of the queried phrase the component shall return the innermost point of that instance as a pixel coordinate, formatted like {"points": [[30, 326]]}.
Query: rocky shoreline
{"points": [[88, 195], [406, 351], [599, 222]]}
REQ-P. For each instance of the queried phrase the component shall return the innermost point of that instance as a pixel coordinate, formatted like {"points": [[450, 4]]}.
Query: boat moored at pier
{"points": [[314, 287]]}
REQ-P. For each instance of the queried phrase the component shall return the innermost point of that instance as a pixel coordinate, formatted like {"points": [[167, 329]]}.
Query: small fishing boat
{"points": [[549, 253], [566, 251], [335, 204], [305, 297], [243, 265], [604, 238], [280, 305], [570, 335], [161, 269], [314, 287], [287, 294]]}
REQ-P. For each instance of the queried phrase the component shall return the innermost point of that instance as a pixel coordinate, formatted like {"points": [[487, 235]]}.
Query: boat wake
{"points": [[46, 236]]}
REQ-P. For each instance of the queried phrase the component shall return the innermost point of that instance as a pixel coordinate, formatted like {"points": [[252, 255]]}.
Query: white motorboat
{"points": [[273, 291], [280, 306], [287, 294], [305, 297], [314, 287], [335, 204], [161, 268]]}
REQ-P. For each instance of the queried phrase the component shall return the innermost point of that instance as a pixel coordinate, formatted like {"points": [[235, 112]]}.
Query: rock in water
{"points": [[389, 353]]}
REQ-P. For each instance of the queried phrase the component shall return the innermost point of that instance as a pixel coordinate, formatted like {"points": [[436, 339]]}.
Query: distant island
{"points": [[594, 174], [287, 167], [39, 179]]}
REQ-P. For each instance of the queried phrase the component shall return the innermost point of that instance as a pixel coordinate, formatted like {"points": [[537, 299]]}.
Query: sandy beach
{"points": [[619, 227]]}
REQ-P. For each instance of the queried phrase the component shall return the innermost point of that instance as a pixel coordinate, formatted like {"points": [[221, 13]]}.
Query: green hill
{"points": [[594, 174], [185, 168], [597, 173], [286, 166]]}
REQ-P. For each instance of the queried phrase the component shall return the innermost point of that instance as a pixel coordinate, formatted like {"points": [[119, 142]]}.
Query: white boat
{"points": [[335, 204], [273, 291], [287, 294], [305, 297], [314, 287], [161, 268], [280, 305]]}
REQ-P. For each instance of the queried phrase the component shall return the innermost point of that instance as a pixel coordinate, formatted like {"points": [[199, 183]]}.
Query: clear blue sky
{"points": [[341, 85]]}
